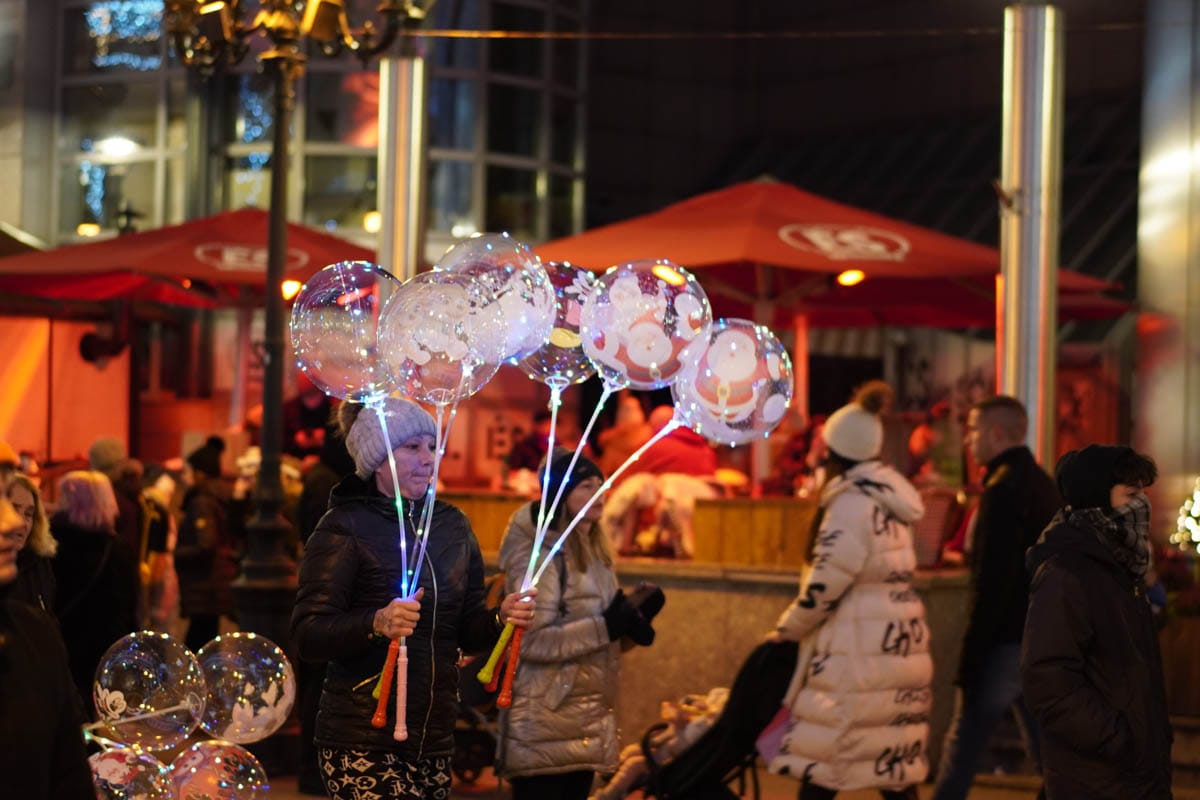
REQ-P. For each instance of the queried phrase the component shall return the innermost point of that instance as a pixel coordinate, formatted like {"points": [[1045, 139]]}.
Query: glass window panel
{"points": [[96, 193], [566, 55], [458, 53], [452, 107], [562, 206], [514, 120], [248, 181], [517, 56], [109, 118], [343, 107], [564, 121], [250, 100], [512, 202], [449, 207], [177, 113], [338, 191], [175, 210], [113, 36]]}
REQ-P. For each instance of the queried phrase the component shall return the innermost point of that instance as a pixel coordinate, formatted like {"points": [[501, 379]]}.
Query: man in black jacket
{"points": [[1090, 665], [1018, 500]]}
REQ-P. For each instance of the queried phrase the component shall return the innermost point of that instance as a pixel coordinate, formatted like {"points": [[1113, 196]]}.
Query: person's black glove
{"points": [[648, 599], [622, 619], [619, 617]]}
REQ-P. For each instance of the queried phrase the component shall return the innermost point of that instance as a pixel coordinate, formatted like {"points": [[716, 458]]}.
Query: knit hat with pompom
{"points": [[855, 431]]}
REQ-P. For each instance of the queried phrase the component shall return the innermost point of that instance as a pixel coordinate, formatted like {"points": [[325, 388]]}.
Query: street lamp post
{"points": [[207, 35]]}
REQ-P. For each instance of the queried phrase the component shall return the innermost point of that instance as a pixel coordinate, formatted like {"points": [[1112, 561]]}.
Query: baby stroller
{"points": [[721, 764]]}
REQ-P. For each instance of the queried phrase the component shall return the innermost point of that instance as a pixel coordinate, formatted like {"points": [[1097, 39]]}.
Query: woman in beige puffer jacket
{"points": [[860, 697], [561, 728]]}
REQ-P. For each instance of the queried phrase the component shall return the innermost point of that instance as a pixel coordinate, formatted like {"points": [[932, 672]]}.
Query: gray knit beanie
{"points": [[405, 420]]}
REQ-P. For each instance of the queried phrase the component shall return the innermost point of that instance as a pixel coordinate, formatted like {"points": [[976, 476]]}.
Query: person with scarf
{"points": [[1090, 664]]}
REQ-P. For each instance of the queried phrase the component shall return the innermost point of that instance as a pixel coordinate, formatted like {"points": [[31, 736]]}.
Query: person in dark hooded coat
{"points": [[1090, 664]]}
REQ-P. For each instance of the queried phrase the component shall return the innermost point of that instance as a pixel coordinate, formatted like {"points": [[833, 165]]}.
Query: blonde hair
{"points": [[587, 545], [87, 498], [40, 540]]}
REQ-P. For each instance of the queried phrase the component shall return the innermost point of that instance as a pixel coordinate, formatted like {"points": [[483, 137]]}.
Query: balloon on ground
{"points": [[149, 691], [216, 770], [251, 687]]}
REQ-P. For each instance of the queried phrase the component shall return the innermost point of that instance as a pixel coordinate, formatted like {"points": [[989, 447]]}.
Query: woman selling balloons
{"points": [[392, 580]]}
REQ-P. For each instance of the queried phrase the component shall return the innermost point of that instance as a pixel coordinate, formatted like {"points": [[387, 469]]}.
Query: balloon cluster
{"points": [[442, 335], [151, 694]]}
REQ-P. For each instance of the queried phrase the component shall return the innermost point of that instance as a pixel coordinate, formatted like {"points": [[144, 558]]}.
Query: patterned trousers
{"points": [[364, 775]]}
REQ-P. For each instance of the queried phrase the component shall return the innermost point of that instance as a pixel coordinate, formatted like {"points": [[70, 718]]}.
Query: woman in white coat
{"points": [[860, 697]]}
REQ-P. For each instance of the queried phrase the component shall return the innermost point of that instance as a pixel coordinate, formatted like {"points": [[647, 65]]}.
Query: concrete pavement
{"points": [[773, 788]]}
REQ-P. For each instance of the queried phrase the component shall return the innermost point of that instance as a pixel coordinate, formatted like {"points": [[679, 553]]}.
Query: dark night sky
{"points": [[668, 119]]}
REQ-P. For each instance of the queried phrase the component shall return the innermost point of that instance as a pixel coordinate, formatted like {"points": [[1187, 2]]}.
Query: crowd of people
{"points": [[1059, 626]]}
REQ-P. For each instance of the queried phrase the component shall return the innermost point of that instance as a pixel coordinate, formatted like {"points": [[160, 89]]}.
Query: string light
{"points": [[1187, 528], [910, 33]]}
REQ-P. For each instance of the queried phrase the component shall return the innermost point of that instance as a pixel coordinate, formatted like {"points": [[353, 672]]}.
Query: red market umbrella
{"points": [[226, 252], [766, 250]]}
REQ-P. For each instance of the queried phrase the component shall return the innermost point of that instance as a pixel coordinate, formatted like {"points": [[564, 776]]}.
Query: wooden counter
{"points": [[489, 513], [770, 532]]}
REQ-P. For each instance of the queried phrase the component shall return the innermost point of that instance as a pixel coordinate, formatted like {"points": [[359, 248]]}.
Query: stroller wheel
{"points": [[473, 750]]}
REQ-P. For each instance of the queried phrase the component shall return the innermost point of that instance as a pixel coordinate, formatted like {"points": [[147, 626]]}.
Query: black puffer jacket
{"points": [[351, 569], [1092, 674]]}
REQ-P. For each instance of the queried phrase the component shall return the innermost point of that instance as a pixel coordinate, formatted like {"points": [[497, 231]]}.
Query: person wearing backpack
{"points": [[561, 729]]}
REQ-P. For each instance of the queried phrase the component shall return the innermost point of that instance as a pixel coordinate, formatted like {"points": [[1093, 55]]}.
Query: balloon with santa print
{"points": [[127, 772], [218, 770], [644, 322], [560, 359], [513, 275], [739, 388], [442, 337]]}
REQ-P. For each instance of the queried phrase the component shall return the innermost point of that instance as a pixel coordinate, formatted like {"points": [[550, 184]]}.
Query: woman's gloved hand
{"points": [[622, 619]]}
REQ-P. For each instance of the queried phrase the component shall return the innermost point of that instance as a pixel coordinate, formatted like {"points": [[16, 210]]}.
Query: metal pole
{"points": [[1031, 168], [401, 183], [266, 588]]}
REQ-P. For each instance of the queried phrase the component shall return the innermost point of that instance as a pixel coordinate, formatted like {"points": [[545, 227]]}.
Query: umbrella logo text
{"points": [[232, 257], [846, 242]]}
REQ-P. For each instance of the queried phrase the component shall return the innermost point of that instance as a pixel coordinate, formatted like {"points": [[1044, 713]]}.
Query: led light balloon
{"points": [[739, 388], [251, 687], [513, 275], [442, 337], [643, 322], [149, 691], [216, 770], [122, 774], [334, 328], [561, 359]]}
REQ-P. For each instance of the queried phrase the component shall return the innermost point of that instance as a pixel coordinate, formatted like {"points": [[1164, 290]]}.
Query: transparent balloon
{"points": [[561, 359], [514, 276], [123, 774], [149, 691], [442, 337], [334, 325], [644, 322], [251, 687], [739, 388], [216, 770]]}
